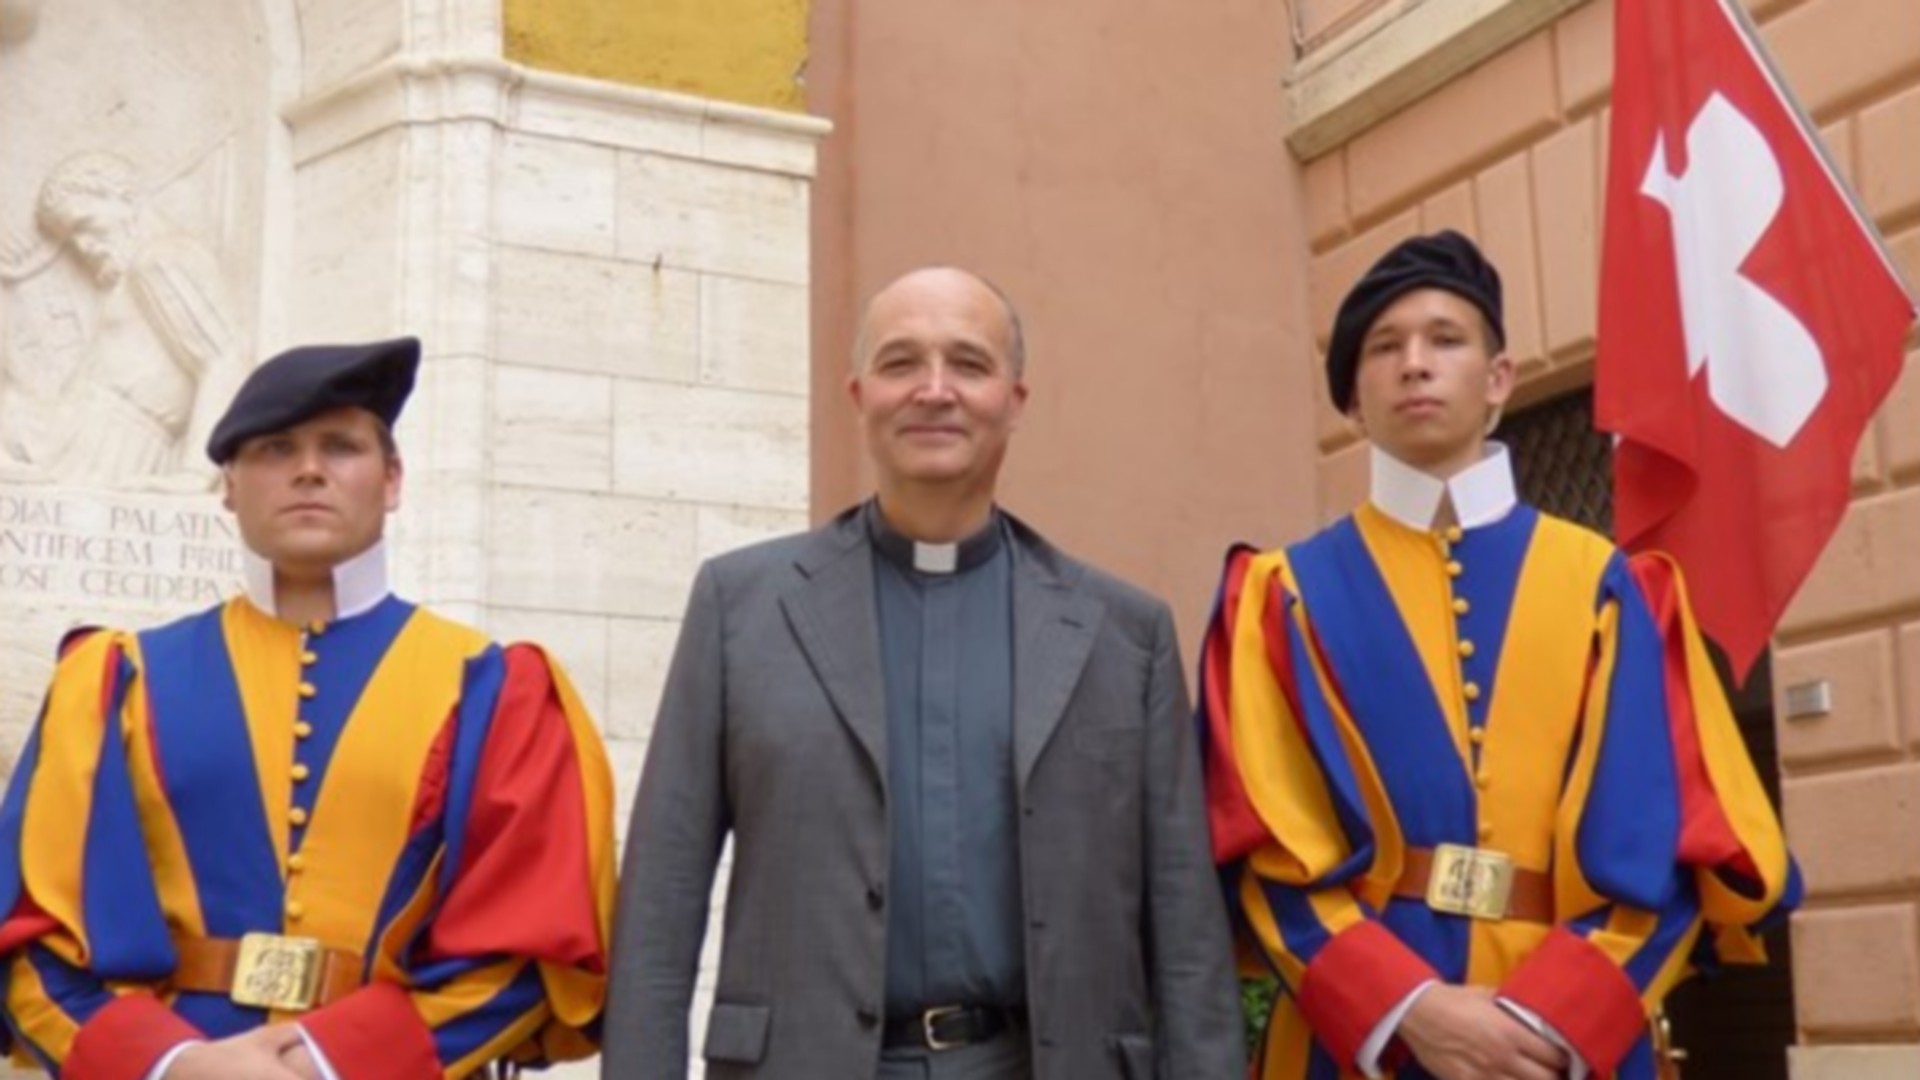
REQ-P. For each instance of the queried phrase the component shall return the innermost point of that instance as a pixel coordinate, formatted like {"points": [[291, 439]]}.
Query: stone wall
{"points": [[610, 282]]}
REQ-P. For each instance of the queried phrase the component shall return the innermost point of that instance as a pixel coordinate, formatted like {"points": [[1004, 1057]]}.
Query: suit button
{"points": [[868, 1016], [875, 898]]}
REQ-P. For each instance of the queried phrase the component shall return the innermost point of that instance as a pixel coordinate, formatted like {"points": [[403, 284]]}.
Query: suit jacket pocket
{"points": [[1136, 1055], [737, 1033]]}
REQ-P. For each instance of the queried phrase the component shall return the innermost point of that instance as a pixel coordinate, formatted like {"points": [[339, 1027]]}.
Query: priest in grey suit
{"points": [[957, 766]]}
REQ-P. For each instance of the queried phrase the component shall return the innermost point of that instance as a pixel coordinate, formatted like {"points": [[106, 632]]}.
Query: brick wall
{"points": [[1513, 152]]}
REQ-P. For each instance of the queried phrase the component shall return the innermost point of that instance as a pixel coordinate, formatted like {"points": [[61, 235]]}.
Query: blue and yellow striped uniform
{"points": [[1378, 688], [392, 784]]}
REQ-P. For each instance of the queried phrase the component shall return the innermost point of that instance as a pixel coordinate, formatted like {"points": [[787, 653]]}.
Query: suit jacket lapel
{"points": [[1054, 625], [833, 618]]}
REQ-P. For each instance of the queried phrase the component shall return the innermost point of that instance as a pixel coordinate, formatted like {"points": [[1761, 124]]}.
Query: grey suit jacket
{"points": [[772, 728]]}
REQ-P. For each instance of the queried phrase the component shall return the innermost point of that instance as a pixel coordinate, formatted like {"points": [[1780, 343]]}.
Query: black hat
{"points": [[302, 383], [1445, 260]]}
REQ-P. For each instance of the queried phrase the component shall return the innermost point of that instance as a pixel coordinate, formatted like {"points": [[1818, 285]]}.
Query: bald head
{"points": [[941, 287]]}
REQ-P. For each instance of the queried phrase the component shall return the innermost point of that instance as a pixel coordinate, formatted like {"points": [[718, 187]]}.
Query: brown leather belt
{"points": [[266, 970], [1530, 896]]}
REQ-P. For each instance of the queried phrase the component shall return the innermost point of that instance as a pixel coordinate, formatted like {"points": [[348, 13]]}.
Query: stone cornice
{"points": [[448, 89], [1395, 56]]}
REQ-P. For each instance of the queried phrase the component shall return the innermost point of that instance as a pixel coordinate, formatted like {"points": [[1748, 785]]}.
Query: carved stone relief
{"points": [[132, 203]]}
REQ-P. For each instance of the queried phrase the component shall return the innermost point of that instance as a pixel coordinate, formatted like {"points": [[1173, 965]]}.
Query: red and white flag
{"points": [[1750, 322]]}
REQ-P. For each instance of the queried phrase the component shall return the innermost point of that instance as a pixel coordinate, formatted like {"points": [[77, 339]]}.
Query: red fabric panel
{"points": [[524, 885], [1584, 995], [126, 1039], [374, 1033], [1354, 982], [1706, 837], [1234, 823]]}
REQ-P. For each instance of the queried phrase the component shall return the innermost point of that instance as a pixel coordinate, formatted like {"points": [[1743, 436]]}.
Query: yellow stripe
{"points": [[33, 1009], [1414, 569], [59, 805], [392, 945], [1277, 766], [1573, 896], [1736, 785], [1289, 1041], [166, 845], [364, 807], [1674, 969], [1534, 714], [519, 1031], [265, 654], [469, 992], [1259, 915]]}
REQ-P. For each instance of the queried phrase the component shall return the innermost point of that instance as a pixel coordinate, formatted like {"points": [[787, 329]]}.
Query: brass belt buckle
{"points": [[932, 1017], [275, 972], [1470, 881]]}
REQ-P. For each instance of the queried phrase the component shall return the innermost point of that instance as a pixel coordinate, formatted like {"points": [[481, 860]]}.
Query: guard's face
{"points": [[936, 391], [315, 495], [1428, 382]]}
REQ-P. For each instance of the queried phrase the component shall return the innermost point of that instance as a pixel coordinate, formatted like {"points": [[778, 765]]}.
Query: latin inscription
{"points": [[117, 551]]}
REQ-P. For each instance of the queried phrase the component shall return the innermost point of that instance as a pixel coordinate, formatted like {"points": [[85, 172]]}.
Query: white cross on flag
{"points": [[1750, 323]]}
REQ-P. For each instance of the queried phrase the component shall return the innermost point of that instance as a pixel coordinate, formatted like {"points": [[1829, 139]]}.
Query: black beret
{"points": [[1445, 260], [302, 383]]}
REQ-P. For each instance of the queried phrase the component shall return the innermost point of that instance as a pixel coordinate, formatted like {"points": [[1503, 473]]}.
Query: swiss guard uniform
{"points": [[1472, 755], [386, 827]]}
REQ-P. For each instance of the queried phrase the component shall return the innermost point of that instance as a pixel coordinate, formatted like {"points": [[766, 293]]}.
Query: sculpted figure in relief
{"points": [[160, 358], [18, 18]]}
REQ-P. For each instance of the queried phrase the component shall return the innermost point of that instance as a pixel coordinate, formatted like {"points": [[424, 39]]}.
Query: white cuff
{"points": [[1382, 1034], [160, 1067], [1576, 1066], [319, 1055]]}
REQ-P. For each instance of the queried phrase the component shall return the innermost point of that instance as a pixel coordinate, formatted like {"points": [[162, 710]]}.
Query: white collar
{"points": [[358, 584], [1482, 493]]}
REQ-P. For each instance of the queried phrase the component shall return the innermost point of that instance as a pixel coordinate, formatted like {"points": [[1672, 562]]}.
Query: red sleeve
{"points": [[1584, 995], [523, 886], [125, 1039], [1354, 982]]}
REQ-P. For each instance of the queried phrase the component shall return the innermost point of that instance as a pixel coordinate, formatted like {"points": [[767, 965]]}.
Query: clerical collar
{"points": [[905, 552], [358, 584], [1482, 493]]}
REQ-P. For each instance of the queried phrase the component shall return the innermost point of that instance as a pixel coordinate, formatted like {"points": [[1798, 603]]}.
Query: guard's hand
{"points": [[254, 1055], [300, 1059], [1461, 1033]]}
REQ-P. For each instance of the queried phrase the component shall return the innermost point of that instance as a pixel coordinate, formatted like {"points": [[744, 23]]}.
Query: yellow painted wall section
{"points": [[745, 51]]}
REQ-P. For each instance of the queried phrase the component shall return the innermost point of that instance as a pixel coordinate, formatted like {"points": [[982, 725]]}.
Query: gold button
{"points": [[300, 771], [1486, 833], [1454, 533], [302, 729], [295, 911], [306, 690], [1472, 690], [298, 815], [296, 862], [1478, 735], [1481, 780], [308, 657], [1466, 648], [1454, 568], [1460, 605], [317, 627]]}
